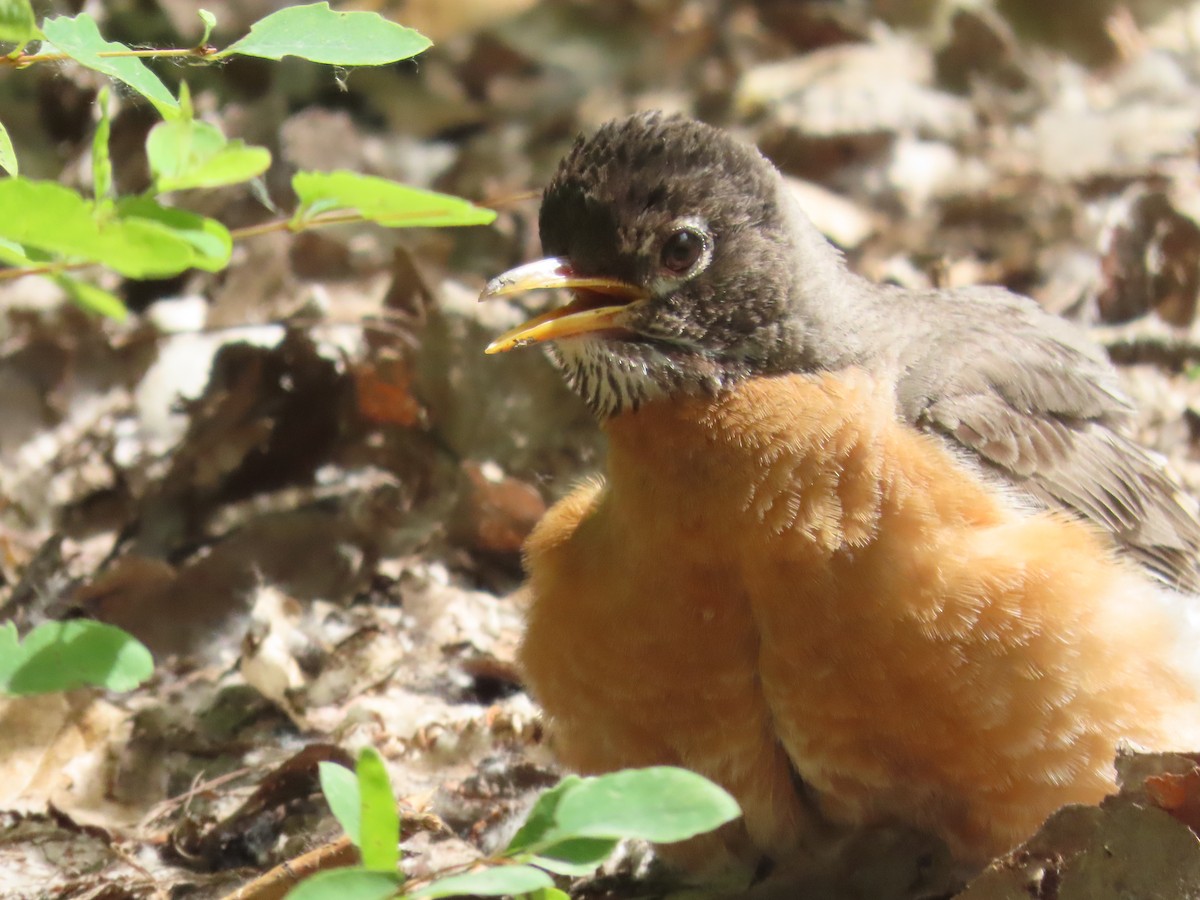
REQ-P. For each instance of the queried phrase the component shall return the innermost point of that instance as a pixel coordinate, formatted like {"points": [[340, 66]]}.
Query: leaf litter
{"points": [[304, 487]]}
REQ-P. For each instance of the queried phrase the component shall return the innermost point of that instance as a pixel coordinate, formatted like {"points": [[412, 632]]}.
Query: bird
{"points": [[860, 554]]}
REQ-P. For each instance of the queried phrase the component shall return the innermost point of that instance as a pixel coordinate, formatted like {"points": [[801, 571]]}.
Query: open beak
{"points": [[599, 304]]}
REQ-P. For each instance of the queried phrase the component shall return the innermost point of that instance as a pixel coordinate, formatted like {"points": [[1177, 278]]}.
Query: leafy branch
{"points": [[51, 230]]}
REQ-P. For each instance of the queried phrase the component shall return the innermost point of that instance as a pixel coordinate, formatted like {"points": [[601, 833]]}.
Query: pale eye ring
{"points": [[683, 249]]}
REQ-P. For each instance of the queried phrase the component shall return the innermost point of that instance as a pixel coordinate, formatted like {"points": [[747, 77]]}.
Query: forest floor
{"points": [[304, 487]]}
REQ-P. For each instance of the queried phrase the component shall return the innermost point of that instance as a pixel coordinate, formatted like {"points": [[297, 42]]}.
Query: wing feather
{"points": [[1038, 403]]}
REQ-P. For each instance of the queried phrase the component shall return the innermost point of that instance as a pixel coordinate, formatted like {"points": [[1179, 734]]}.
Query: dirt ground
{"points": [[302, 484]]}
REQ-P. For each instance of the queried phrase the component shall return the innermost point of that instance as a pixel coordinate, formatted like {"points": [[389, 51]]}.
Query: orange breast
{"points": [[641, 647], [786, 576]]}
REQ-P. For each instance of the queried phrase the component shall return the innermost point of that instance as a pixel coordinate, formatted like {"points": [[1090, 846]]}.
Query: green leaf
{"points": [[209, 240], [52, 218], [8, 156], [542, 817], [346, 884], [17, 23], [186, 153], [10, 644], [102, 172], [79, 38], [93, 298], [140, 248], [58, 656], [565, 856], [383, 201], [661, 804], [317, 33], [380, 823], [577, 856], [494, 882], [142, 240], [340, 788], [186, 110], [574, 826], [13, 254], [210, 22]]}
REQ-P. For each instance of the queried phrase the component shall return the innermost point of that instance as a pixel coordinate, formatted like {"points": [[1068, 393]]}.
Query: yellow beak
{"points": [[584, 314]]}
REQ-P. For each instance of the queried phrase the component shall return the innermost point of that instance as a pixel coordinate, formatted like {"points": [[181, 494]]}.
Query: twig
{"points": [[22, 60], [285, 876]]}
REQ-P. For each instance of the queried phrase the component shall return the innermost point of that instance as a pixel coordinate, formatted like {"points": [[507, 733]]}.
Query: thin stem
{"points": [[46, 269], [506, 200], [331, 219], [294, 226], [28, 59], [263, 228]]}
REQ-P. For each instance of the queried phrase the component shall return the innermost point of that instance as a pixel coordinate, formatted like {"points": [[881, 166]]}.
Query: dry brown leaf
{"points": [[56, 749], [384, 392]]}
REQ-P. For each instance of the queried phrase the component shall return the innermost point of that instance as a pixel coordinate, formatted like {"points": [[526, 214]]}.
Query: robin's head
{"points": [[684, 259]]}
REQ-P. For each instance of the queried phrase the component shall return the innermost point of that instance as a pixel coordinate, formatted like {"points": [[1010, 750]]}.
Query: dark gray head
{"points": [[685, 257]]}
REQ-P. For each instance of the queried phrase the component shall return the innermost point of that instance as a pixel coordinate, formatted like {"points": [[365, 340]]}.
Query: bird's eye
{"points": [[682, 250]]}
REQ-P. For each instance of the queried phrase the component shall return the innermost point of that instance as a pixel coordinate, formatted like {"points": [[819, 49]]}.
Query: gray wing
{"points": [[1038, 402]]}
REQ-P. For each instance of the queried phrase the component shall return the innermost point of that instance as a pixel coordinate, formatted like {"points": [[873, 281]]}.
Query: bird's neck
{"points": [[835, 320]]}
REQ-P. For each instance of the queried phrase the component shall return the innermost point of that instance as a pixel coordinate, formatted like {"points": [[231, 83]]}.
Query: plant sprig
{"points": [[570, 831], [51, 230]]}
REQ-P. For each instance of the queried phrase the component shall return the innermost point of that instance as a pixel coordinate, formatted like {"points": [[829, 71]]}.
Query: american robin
{"points": [[888, 548]]}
